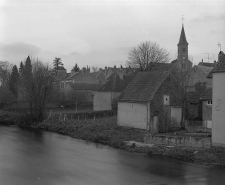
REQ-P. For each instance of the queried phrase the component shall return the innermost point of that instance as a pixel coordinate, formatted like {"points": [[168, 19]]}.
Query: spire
{"points": [[183, 39]]}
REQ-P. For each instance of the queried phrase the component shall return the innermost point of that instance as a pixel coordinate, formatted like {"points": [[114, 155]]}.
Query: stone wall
{"points": [[190, 141]]}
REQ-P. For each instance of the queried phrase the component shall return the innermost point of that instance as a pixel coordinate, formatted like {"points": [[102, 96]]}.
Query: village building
{"points": [[206, 99], [198, 74], [218, 102], [80, 92], [197, 83], [83, 76], [150, 101], [182, 62], [107, 96]]}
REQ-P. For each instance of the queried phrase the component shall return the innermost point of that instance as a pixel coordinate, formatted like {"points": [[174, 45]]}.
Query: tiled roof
{"points": [[207, 94], [61, 68], [84, 86], [116, 84], [206, 64], [144, 85], [162, 66], [71, 77], [205, 70], [210, 74], [220, 67]]}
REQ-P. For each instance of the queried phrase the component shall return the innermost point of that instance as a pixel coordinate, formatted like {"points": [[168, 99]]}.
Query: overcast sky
{"points": [[101, 32]]}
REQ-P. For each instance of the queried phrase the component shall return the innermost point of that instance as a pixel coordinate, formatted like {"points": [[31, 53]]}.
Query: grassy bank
{"points": [[106, 131]]}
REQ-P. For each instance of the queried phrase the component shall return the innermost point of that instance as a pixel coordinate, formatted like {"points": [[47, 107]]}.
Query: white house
{"points": [[150, 99], [218, 102]]}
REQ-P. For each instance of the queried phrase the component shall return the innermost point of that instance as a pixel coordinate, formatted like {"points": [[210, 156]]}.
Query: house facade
{"points": [[148, 100], [80, 92], [198, 74], [107, 96], [218, 102], [84, 76], [206, 100]]}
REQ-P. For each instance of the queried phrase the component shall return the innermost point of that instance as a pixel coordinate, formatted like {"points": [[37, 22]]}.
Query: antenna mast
{"points": [[208, 56]]}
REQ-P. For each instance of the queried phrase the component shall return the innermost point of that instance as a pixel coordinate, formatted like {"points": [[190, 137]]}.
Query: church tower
{"points": [[182, 46], [182, 57]]}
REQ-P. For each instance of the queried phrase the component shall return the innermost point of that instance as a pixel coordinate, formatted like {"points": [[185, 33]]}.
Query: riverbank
{"points": [[106, 131]]}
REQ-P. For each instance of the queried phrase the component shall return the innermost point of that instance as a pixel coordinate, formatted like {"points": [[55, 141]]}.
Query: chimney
{"points": [[105, 68], [72, 72], [114, 66]]}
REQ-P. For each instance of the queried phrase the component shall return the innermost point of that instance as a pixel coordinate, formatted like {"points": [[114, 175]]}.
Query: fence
{"points": [[82, 115]]}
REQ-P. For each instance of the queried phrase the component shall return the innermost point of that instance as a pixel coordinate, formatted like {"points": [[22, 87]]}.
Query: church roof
{"points": [[183, 39]]}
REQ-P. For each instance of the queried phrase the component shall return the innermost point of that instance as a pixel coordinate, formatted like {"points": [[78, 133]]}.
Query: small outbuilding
{"points": [[151, 101]]}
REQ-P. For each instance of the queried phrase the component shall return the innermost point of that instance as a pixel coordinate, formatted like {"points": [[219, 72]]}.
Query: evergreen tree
{"points": [[76, 68], [14, 81], [21, 69], [28, 67], [57, 62]]}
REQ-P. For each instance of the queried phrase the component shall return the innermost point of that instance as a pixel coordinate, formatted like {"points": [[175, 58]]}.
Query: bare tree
{"points": [[37, 88], [77, 97], [6, 97], [94, 69], [5, 71], [183, 76], [146, 54]]}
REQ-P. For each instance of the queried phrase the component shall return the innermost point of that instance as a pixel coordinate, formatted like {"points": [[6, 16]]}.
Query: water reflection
{"points": [[36, 157]]}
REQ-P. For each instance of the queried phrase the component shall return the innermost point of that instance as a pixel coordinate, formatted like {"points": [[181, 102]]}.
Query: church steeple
{"points": [[182, 46], [183, 39]]}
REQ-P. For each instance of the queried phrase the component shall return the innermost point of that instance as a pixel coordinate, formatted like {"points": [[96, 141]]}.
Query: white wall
{"points": [[218, 110], [133, 115]]}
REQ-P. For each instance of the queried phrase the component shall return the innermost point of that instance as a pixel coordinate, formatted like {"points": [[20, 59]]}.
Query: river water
{"points": [[29, 157]]}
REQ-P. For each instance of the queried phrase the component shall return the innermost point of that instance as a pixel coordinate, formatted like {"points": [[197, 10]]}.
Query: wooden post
{"points": [[94, 118], [78, 118], [60, 116], [64, 117]]}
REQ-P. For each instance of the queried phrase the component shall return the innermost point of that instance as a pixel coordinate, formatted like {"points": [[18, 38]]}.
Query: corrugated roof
{"points": [[84, 86], [144, 85], [116, 84], [207, 94]]}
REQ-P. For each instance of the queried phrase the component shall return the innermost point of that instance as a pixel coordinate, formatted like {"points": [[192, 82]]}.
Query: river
{"points": [[29, 157]]}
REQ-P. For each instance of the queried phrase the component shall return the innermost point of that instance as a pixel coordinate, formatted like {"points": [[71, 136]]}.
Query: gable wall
{"points": [[168, 87], [134, 115]]}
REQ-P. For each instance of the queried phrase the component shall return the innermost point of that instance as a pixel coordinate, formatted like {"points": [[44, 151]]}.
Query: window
{"points": [[209, 102], [166, 100], [183, 49]]}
